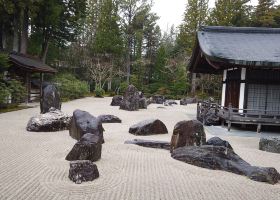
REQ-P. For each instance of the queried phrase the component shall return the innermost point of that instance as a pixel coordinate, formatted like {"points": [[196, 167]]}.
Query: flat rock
{"points": [[170, 103], [222, 158], [116, 100], [150, 143], [131, 99], [188, 133], [82, 122], [83, 171], [270, 145], [158, 99], [54, 120], [148, 127], [109, 119], [50, 98], [216, 141], [89, 147]]}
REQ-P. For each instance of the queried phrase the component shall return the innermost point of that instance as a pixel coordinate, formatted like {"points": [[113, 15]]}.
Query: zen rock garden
{"points": [[188, 142]]}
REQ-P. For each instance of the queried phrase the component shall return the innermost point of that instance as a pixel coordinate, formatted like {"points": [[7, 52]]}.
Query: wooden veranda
{"points": [[230, 115]]}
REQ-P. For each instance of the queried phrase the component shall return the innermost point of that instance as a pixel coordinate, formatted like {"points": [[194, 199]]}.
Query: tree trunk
{"points": [[45, 48], [16, 32], [24, 33], [1, 35]]}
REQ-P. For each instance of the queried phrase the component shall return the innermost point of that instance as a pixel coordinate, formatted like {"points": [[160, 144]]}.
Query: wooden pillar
{"points": [[242, 90], [224, 88]]}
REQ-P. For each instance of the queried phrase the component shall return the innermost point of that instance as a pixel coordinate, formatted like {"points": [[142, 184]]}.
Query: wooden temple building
{"points": [[249, 61], [24, 68]]}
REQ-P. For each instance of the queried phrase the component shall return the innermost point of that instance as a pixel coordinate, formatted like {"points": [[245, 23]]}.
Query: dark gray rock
{"points": [[109, 119], [158, 99], [89, 147], [82, 122], [149, 127], [211, 118], [216, 141], [150, 143], [116, 100], [54, 120], [188, 133], [270, 145], [83, 171], [222, 158], [143, 103], [131, 99], [186, 101], [50, 98]]}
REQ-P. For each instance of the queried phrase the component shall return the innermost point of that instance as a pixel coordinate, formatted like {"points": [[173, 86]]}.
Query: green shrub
{"points": [[123, 87], [70, 87], [4, 94], [99, 92], [17, 91]]}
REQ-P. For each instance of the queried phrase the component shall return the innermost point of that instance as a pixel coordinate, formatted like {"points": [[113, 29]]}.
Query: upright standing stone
{"points": [[116, 100], [50, 98], [188, 133], [131, 99], [82, 122]]}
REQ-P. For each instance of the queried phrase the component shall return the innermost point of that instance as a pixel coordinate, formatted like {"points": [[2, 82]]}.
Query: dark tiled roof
{"points": [[30, 63], [241, 46], [238, 46]]}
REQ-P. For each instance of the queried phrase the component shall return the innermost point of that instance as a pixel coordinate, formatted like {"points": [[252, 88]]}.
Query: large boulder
{"points": [[211, 118], [143, 103], [83, 171], [82, 122], [150, 143], [148, 127], [222, 158], [89, 147], [109, 119], [270, 145], [186, 101], [216, 141], [50, 98], [131, 99], [116, 100], [54, 120], [187, 133]]}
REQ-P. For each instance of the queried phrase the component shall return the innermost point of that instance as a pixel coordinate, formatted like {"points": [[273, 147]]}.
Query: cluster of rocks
{"points": [[88, 130], [188, 144], [132, 100], [51, 117]]}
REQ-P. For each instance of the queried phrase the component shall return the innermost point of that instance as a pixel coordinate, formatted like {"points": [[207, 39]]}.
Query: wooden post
{"points": [[229, 116], [41, 90]]}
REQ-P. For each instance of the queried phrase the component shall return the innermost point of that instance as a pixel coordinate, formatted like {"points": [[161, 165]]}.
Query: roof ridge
{"points": [[232, 29]]}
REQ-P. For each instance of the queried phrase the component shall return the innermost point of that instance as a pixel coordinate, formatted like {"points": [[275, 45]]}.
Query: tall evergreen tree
{"points": [[264, 15]]}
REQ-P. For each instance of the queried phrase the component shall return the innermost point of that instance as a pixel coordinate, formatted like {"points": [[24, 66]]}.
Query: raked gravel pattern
{"points": [[33, 165]]}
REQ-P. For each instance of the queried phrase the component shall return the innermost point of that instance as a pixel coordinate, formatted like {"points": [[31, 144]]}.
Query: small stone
{"points": [[216, 141], [143, 103], [83, 171], [186, 101]]}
